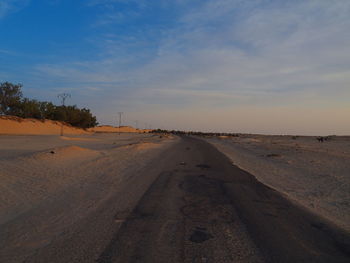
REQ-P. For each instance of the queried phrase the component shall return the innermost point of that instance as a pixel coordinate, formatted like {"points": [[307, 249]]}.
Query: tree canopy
{"points": [[10, 98], [13, 103]]}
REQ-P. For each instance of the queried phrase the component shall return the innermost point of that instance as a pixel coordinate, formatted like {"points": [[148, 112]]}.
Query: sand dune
{"points": [[19, 126]]}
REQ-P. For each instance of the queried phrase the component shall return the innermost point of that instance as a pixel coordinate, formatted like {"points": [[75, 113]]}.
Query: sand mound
{"points": [[110, 129], [63, 154], [146, 145], [67, 156], [19, 126]]}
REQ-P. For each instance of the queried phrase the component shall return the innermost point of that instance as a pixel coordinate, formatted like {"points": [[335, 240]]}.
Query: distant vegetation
{"points": [[13, 103], [197, 133]]}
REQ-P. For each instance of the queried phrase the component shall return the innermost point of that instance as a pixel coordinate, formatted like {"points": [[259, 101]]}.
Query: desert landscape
{"points": [[211, 131], [90, 183]]}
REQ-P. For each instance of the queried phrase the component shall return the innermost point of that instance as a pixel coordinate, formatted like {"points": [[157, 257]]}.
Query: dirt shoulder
{"points": [[312, 173]]}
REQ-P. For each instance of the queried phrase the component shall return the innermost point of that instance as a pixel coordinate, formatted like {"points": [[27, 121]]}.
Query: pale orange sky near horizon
{"points": [[274, 120]]}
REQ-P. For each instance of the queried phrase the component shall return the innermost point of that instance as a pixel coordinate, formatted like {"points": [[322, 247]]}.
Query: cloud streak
{"points": [[10, 6]]}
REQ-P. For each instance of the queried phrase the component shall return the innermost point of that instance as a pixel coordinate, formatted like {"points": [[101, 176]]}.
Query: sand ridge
{"points": [[20, 126]]}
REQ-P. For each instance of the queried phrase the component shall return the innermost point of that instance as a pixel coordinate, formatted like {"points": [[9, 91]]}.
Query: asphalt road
{"points": [[193, 205]]}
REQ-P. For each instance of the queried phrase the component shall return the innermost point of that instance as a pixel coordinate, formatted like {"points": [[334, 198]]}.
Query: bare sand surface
{"points": [[34, 167], [314, 174], [12, 125], [15, 125], [70, 174]]}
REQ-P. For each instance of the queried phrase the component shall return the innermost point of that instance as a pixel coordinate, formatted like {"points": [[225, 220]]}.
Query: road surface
{"points": [[192, 205]]}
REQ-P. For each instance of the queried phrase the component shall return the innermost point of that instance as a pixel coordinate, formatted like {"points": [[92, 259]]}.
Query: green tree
{"points": [[79, 117], [30, 109], [10, 98], [87, 120], [60, 113], [47, 110]]}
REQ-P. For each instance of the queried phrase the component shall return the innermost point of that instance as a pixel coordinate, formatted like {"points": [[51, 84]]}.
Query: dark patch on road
{"points": [[269, 214], [210, 189], [318, 225], [275, 155], [203, 166], [200, 236]]}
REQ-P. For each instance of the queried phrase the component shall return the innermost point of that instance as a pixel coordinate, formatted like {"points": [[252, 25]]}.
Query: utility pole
{"points": [[120, 120], [136, 124], [63, 98]]}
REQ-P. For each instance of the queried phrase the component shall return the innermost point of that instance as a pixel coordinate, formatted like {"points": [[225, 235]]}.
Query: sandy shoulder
{"points": [[316, 175], [49, 182], [34, 168]]}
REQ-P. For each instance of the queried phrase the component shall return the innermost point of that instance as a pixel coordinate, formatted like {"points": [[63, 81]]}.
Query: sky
{"points": [[251, 66]]}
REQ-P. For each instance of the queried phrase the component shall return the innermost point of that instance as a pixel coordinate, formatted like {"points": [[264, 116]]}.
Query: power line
{"points": [[63, 97], [120, 119]]}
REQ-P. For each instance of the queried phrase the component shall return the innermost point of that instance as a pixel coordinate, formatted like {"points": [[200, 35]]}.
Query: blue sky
{"points": [[260, 66]]}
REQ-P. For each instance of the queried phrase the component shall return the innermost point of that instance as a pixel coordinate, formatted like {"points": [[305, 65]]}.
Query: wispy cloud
{"points": [[9, 6], [7, 52], [221, 54]]}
